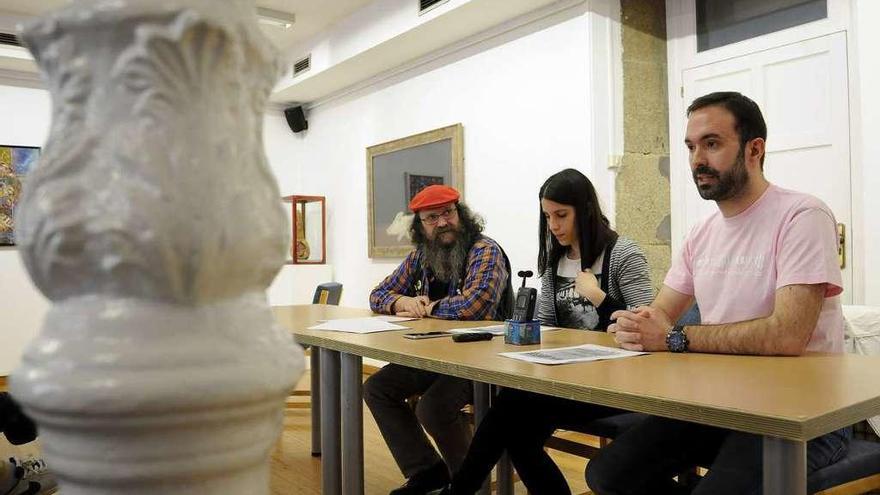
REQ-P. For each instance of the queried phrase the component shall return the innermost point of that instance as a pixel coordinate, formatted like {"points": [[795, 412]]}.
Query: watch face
{"points": [[676, 341]]}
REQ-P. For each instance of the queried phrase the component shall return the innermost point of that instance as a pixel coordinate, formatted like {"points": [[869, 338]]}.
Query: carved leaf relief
{"points": [[176, 66]]}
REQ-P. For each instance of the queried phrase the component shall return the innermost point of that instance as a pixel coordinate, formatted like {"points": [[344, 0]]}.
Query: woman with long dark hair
{"points": [[587, 272]]}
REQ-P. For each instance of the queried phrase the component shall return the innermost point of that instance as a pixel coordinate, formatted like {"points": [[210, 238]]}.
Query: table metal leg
{"points": [[331, 448], [785, 466], [505, 475], [315, 372], [352, 425], [482, 392]]}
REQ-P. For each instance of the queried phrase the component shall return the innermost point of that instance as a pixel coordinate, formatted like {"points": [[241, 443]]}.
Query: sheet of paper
{"points": [[493, 329], [385, 318], [394, 319], [358, 325], [576, 354]]}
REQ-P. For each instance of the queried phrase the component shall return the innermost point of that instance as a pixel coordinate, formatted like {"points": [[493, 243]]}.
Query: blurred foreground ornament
{"points": [[152, 224]]}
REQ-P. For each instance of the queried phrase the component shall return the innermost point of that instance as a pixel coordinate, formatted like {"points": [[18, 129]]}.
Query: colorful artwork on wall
{"points": [[415, 183], [15, 163]]}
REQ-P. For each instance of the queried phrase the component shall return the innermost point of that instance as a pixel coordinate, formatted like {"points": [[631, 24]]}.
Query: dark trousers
{"points": [[438, 411], [644, 459], [521, 422], [17, 427]]}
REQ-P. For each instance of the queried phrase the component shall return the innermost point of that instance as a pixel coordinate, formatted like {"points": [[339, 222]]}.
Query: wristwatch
{"points": [[677, 340]]}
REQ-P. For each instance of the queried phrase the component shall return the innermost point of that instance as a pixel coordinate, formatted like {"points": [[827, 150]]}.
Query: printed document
{"points": [[576, 354]]}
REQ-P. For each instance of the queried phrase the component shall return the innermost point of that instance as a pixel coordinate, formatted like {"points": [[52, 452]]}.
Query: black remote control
{"points": [[472, 337]]}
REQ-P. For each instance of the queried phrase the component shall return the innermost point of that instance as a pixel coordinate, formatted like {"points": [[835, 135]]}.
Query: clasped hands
{"points": [[642, 329], [413, 307]]}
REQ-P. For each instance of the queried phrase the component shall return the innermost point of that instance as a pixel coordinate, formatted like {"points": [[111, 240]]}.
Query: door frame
{"points": [[681, 53]]}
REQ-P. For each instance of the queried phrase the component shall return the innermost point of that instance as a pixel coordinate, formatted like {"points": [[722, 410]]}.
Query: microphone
{"points": [[524, 274]]}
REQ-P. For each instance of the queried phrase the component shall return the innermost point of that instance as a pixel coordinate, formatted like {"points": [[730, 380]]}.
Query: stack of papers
{"points": [[363, 325], [576, 354]]}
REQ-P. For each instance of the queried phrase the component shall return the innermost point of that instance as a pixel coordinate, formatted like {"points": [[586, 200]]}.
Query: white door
{"points": [[802, 90]]}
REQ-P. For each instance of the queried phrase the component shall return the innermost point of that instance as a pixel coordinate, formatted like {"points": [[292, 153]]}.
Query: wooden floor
{"points": [[296, 472]]}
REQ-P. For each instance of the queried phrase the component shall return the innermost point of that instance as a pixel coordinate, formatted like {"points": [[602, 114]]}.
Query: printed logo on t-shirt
{"points": [[749, 265], [573, 310]]}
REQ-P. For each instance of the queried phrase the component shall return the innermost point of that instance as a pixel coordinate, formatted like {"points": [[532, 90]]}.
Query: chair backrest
{"points": [[328, 293]]}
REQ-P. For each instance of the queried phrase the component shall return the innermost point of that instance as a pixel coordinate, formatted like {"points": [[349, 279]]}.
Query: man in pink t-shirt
{"points": [[763, 271]]}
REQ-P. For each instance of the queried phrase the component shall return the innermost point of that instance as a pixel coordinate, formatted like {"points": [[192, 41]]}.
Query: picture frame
{"points": [[15, 163], [396, 171]]}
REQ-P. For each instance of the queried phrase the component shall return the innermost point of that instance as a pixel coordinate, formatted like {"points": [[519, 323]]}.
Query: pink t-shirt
{"points": [[733, 266]]}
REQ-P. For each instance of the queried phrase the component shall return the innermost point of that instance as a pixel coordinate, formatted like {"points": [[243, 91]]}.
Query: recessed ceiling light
{"points": [[276, 18]]}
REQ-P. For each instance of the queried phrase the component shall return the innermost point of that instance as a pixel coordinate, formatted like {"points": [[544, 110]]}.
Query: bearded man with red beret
{"points": [[454, 273]]}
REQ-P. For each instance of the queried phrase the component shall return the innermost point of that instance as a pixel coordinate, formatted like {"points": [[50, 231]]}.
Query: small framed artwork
{"points": [[397, 171], [414, 183], [15, 163]]}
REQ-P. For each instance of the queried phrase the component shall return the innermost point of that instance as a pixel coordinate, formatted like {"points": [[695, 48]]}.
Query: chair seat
{"points": [[862, 460], [612, 426]]}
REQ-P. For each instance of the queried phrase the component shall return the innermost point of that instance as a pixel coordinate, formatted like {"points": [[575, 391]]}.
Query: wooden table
{"points": [[787, 400]]}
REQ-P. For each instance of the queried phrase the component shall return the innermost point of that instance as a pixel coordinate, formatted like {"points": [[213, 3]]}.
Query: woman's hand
{"points": [[587, 285]]}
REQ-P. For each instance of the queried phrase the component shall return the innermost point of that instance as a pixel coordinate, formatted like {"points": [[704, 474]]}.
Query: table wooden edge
{"points": [[800, 430]]}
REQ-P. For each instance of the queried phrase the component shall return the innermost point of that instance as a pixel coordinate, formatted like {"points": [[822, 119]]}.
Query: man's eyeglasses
{"points": [[433, 218]]}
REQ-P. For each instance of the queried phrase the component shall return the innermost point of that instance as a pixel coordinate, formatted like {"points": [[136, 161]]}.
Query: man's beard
{"points": [[729, 184], [447, 261]]}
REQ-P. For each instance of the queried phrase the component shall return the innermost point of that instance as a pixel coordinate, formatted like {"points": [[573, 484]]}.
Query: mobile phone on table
{"points": [[425, 335]]}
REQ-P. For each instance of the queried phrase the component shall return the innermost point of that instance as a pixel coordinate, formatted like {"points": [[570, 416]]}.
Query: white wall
{"points": [[866, 17], [524, 105], [25, 122]]}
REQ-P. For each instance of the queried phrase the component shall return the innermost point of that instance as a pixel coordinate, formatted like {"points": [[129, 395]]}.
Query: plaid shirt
{"points": [[476, 299]]}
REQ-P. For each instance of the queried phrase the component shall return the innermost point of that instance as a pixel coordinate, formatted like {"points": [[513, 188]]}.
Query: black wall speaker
{"points": [[296, 119]]}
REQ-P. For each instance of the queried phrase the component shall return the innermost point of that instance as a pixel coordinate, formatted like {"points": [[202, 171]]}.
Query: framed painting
{"points": [[15, 163], [397, 171]]}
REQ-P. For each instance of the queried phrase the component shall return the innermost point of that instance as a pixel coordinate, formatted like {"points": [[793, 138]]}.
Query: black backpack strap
{"points": [[505, 305], [606, 262]]}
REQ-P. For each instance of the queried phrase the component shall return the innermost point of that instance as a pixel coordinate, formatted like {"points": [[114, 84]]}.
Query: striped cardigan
{"points": [[628, 283]]}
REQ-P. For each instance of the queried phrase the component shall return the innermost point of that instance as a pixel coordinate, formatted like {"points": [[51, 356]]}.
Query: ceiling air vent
{"points": [[9, 39], [302, 65], [426, 5]]}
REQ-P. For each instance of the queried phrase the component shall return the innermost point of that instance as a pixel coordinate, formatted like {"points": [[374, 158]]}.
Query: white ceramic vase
{"points": [[154, 225]]}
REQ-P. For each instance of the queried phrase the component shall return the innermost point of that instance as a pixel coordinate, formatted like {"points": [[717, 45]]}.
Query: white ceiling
{"points": [[312, 16]]}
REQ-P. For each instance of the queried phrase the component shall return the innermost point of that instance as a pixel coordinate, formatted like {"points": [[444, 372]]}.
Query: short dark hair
{"points": [[471, 225], [749, 122], [572, 188]]}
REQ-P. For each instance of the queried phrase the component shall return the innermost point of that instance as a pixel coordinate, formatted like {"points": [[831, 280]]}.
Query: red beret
{"points": [[433, 196]]}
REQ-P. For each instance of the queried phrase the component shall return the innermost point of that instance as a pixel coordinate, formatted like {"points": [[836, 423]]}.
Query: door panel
{"points": [[802, 91]]}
